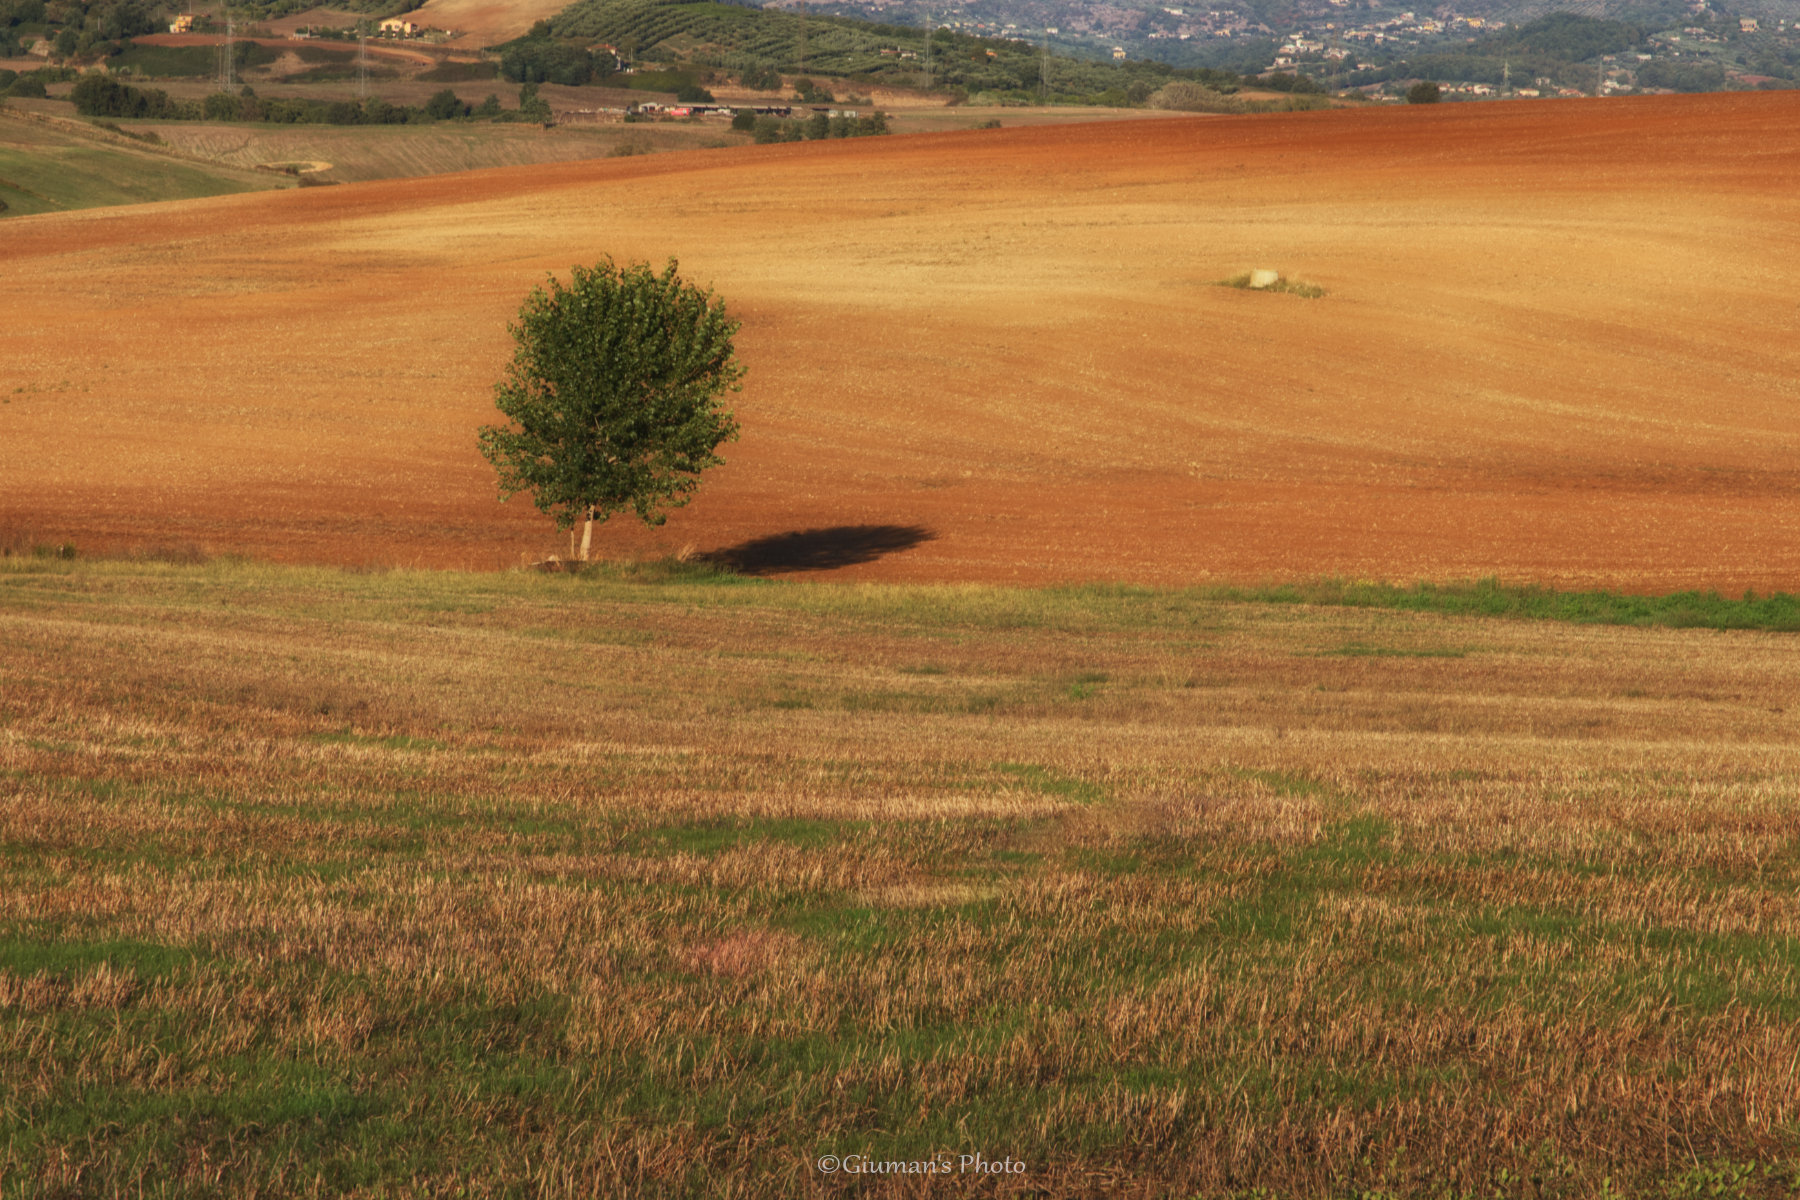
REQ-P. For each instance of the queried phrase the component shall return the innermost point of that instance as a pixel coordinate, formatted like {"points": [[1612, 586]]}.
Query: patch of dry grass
{"points": [[325, 883], [359, 153]]}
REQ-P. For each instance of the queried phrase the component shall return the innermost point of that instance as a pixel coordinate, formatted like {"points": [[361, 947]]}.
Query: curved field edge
{"points": [[330, 881], [1777, 612]]}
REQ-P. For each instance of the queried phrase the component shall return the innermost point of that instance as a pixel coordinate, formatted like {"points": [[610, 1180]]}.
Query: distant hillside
{"points": [[1641, 45], [1559, 48], [1567, 50], [758, 40], [1741, 43]]}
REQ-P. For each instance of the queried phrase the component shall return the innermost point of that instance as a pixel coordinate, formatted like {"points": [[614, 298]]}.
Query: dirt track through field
{"points": [[1559, 344]]}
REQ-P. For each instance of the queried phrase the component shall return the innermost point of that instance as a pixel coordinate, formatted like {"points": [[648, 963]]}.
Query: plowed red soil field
{"points": [[1561, 342]]}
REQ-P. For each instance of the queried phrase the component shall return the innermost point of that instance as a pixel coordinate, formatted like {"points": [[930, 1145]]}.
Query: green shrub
{"points": [[445, 106], [770, 129], [761, 79], [1184, 96], [1281, 81], [818, 127], [543, 60], [1682, 77], [98, 96]]}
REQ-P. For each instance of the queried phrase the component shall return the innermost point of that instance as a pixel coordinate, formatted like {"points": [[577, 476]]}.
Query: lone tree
{"points": [[1424, 92], [613, 392]]}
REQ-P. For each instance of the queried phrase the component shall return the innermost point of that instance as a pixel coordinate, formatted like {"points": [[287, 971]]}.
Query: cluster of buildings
{"points": [[1188, 24], [393, 27], [658, 111], [1319, 36]]}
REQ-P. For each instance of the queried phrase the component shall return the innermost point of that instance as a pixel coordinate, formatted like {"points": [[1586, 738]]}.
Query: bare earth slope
{"points": [[1559, 344], [487, 22]]}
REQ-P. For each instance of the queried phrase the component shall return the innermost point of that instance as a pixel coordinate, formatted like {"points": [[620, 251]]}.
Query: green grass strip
{"points": [[1779, 611]]}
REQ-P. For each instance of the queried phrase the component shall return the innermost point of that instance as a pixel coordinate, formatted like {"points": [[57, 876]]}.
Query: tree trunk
{"points": [[587, 535]]}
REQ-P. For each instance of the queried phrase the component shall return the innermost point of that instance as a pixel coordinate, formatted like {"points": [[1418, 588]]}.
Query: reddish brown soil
{"points": [[1560, 344]]}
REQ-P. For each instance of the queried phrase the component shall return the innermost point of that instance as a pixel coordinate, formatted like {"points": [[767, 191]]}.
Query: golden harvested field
{"points": [[325, 883], [486, 22], [1557, 345]]}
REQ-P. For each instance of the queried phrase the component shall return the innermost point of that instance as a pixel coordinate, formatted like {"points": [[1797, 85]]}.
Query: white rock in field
{"points": [[1264, 279]]}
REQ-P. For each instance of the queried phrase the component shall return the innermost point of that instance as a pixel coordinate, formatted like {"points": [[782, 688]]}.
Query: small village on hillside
{"points": [[1475, 50]]}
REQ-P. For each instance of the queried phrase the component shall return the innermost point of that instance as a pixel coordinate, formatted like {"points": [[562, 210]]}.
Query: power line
{"points": [[928, 33], [228, 59]]}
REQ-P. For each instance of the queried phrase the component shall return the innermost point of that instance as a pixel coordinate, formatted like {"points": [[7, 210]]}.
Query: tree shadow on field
{"points": [[818, 549]]}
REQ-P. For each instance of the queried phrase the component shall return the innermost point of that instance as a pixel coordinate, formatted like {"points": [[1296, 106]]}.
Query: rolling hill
{"points": [[51, 166], [1555, 344]]}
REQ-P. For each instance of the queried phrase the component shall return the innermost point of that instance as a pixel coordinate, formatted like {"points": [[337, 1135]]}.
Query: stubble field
{"points": [[418, 883], [1556, 344]]}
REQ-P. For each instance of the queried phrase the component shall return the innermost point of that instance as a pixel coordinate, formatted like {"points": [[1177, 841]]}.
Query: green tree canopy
{"points": [[544, 60], [613, 395], [445, 106]]}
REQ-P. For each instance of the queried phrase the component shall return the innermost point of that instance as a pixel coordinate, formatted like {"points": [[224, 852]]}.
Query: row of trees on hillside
{"points": [[101, 96], [32, 84], [816, 128]]}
